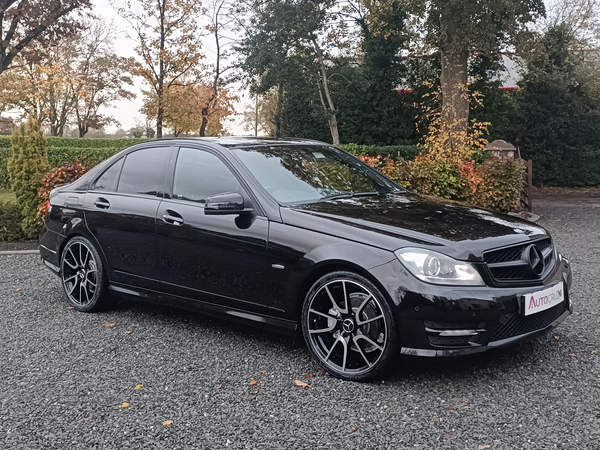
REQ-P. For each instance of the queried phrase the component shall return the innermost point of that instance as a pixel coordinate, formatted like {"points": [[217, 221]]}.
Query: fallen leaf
{"points": [[127, 332], [125, 405], [557, 337], [310, 375], [253, 383], [594, 352], [19, 289], [262, 371], [301, 384], [451, 408], [110, 325], [139, 386], [166, 423], [351, 430], [483, 447], [326, 374], [574, 355], [70, 307]]}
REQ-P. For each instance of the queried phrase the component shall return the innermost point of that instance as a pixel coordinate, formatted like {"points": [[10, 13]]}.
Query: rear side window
{"points": [[109, 179], [199, 174], [143, 171]]}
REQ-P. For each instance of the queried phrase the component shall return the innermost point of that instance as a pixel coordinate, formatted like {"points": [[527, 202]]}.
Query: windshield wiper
{"points": [[348, 195]]}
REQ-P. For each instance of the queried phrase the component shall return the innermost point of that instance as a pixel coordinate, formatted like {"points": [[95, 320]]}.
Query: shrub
{"points": [[437, 178], [406, 152], [396, 170], [67, 173], [501, 186], [26, 167], [10, 222]]}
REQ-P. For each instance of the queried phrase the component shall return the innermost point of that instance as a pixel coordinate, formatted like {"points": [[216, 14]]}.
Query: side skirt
{"points": [[287, 327]]}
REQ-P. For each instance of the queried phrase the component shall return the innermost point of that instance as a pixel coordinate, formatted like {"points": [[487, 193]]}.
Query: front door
{"points": [[216, 258]]}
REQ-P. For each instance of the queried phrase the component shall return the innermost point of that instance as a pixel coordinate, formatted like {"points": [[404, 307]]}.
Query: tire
{"points": [[349, 327], [83, 276]]}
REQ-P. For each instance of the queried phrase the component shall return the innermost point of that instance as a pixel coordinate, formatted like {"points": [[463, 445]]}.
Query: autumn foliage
{"points": [[67, 173]]}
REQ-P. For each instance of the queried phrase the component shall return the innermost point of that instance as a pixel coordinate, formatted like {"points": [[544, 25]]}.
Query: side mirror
{"points": [[227, 203]]}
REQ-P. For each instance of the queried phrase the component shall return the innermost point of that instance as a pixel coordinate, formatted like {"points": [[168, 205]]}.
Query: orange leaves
{"points": [[253, 383], [166, 423], [67, 173], [301, 384]]}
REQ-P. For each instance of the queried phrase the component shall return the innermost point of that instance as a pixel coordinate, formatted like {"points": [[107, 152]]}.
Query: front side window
{"points": [[143, 171], [199, 174]]}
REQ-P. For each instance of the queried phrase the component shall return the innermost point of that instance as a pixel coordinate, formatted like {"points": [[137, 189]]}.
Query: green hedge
{"points": [[89, 151], [81, 142], [10, 222], [406, 152]]}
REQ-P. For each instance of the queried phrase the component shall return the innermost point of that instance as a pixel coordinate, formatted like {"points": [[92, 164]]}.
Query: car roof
{"points": [[245, 141]]}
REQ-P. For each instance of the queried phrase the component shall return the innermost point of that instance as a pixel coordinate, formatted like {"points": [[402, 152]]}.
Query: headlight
{"points": [[436, 268]]}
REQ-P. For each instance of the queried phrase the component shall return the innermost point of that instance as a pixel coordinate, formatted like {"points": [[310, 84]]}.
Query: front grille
{"points": [[515, 324], [511, 264]]}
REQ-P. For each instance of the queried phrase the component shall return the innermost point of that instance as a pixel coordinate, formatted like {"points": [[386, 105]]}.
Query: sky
{"points": [[127, 111]]}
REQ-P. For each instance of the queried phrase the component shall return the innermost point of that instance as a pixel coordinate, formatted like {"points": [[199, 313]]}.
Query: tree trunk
{"points": [[202, 131], [83, 130], [256, 116], [278, 111], [455, 101], [332, 120], [159, 122]]}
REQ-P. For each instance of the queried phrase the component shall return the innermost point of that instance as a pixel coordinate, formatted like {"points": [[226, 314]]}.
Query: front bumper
{"points": [[451, 321]]}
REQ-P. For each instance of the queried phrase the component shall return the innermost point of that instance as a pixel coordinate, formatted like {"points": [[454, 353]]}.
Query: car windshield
{"points": [[309, 173]]}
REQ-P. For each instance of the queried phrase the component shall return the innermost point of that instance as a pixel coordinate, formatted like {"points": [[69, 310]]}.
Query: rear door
{"points": [[216, 258], [120, 211]]}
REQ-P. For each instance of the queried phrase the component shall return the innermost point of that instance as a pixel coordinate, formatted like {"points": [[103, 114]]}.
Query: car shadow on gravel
{"points": [[486, 364]]}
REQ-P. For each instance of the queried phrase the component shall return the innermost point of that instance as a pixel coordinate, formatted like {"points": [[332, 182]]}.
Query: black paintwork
{"points": [[258, 266]]}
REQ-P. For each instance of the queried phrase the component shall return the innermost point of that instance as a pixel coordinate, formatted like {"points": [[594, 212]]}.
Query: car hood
{"points": [[394, 221]]}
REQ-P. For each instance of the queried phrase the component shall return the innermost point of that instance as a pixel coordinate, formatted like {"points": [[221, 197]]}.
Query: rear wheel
{"points": [[349, 327], [83, 276]]}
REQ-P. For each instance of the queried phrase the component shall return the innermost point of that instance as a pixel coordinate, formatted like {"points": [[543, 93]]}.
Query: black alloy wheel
{"points": [[349, 326], [82, 274]]}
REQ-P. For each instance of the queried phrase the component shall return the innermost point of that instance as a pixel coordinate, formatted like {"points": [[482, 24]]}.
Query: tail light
{"points": [[47, 208]]}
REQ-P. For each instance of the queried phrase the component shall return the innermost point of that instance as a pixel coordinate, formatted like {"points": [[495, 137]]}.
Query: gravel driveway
{"points": [[67, 377]]}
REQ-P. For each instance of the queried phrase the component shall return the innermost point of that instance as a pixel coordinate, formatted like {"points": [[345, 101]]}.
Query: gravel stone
{"points": [[66, 375]]}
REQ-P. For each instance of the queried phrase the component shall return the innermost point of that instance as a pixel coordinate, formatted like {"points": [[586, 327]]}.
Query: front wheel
{"points": [[349, 327], [82, 274]]}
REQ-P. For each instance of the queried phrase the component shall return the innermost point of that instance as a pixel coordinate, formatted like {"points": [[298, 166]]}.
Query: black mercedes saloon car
{"points": [[301, 237]]}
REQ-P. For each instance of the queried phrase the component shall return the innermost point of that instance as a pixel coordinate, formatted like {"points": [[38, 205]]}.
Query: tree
{"points": [[23, 22], [192, 107], [260, 116], [70, 81], [559, 112], [168, 44], [221, 17], [285, 36], [102, 76], [458, 28], [26, 167]]}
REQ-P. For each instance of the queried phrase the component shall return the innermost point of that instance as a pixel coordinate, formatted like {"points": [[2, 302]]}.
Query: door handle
{"points": [[102, 203], [172, 218]]}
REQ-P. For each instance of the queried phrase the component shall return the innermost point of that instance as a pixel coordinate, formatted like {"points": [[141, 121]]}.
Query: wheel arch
{"points": [[329, 266], [79, 232]]}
